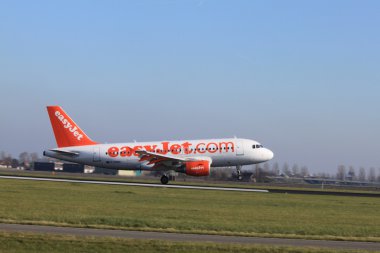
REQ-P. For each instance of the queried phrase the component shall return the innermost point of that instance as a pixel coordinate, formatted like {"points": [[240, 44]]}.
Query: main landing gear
{"points": [[238, 172], [164, 179]]}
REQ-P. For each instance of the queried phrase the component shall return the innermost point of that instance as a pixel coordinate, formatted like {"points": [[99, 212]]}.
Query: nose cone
{"points": [[268, 154]]}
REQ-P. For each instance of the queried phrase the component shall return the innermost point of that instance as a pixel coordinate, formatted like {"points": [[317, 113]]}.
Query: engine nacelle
{"points": [[197, 168]]}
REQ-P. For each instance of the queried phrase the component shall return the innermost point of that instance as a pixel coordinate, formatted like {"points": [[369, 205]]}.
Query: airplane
{"points": [[191, 157]]}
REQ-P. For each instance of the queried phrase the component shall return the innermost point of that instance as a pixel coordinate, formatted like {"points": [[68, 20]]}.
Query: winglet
{"points": [[66, 132]]}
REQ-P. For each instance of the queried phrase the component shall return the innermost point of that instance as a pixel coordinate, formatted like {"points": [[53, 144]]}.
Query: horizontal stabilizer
{"points": [[66, 153]]}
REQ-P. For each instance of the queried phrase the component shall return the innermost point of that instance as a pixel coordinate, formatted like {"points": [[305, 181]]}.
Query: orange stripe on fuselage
{"points": [[174, 148]]}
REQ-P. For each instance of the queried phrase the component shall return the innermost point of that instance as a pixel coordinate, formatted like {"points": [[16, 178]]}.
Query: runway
{"points": [[215, 188], [135, 184], [349, 245]]}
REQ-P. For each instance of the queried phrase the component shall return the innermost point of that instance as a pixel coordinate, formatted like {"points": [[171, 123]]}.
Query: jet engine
{"points": [[197, 168]]}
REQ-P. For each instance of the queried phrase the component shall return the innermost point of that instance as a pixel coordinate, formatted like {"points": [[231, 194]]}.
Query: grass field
{"points": [[194, 211], [37, 243]]}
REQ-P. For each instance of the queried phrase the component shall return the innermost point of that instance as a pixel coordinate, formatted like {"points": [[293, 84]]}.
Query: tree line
{"points": [[344, 173], [361, 174], [24, 159]]}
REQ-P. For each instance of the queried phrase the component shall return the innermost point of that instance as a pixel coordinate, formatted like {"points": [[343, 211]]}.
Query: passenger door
{"points": [[239, 148]]}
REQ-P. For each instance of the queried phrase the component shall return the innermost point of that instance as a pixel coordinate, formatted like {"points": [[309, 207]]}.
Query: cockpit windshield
{"points": [[257, 146]]}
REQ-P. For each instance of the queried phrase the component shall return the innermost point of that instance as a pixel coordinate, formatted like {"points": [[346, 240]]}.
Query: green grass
{"points": [[38, 243], [192, 211]]}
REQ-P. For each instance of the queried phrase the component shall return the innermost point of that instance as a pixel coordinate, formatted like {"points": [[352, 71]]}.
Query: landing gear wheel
{"points": [[164, 179], [238, 172]]}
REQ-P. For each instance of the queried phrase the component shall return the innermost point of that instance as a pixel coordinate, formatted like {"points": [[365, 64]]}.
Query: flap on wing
{"points": [[155, 158], [66, 153]]}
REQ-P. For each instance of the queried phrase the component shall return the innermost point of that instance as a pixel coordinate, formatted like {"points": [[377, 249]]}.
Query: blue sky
{"points": [[302, 77]]}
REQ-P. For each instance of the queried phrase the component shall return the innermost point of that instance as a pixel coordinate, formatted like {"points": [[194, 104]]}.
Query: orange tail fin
{"points": [[66, 132]]}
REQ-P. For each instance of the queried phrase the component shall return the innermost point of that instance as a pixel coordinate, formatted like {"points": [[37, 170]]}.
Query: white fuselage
{"points": [[220, 153]]}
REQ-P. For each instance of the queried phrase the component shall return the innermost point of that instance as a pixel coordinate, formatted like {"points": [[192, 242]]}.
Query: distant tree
{"points": [[295, 170], [262, 173], [286, 170], [372, 175], [324, 175], [24, 160], [257, 172], [222, 173], [304, 171], [276, 169], [14, 163], [34, 157], [24, 157], [266, 168], [269, 171], [351, 173], [3, 155], [362, 174], [8, 161], [341, 173]]}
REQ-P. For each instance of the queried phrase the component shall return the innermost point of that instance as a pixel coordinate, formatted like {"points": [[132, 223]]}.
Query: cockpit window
{"points": [[253, 146], [257, 146]]}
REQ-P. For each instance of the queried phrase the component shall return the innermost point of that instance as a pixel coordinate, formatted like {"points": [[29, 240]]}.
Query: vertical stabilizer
{"points": [[67, 132]]}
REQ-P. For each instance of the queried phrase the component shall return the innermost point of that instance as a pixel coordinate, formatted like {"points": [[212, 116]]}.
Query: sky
{"points": [[301, 77]]}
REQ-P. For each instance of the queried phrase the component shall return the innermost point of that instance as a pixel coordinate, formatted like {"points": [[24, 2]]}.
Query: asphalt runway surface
{"points": [[349, 245], [236, 189], [134, 184]]}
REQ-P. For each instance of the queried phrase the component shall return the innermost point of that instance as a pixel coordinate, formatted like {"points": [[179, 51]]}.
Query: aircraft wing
{"points": [[158, 159]]}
